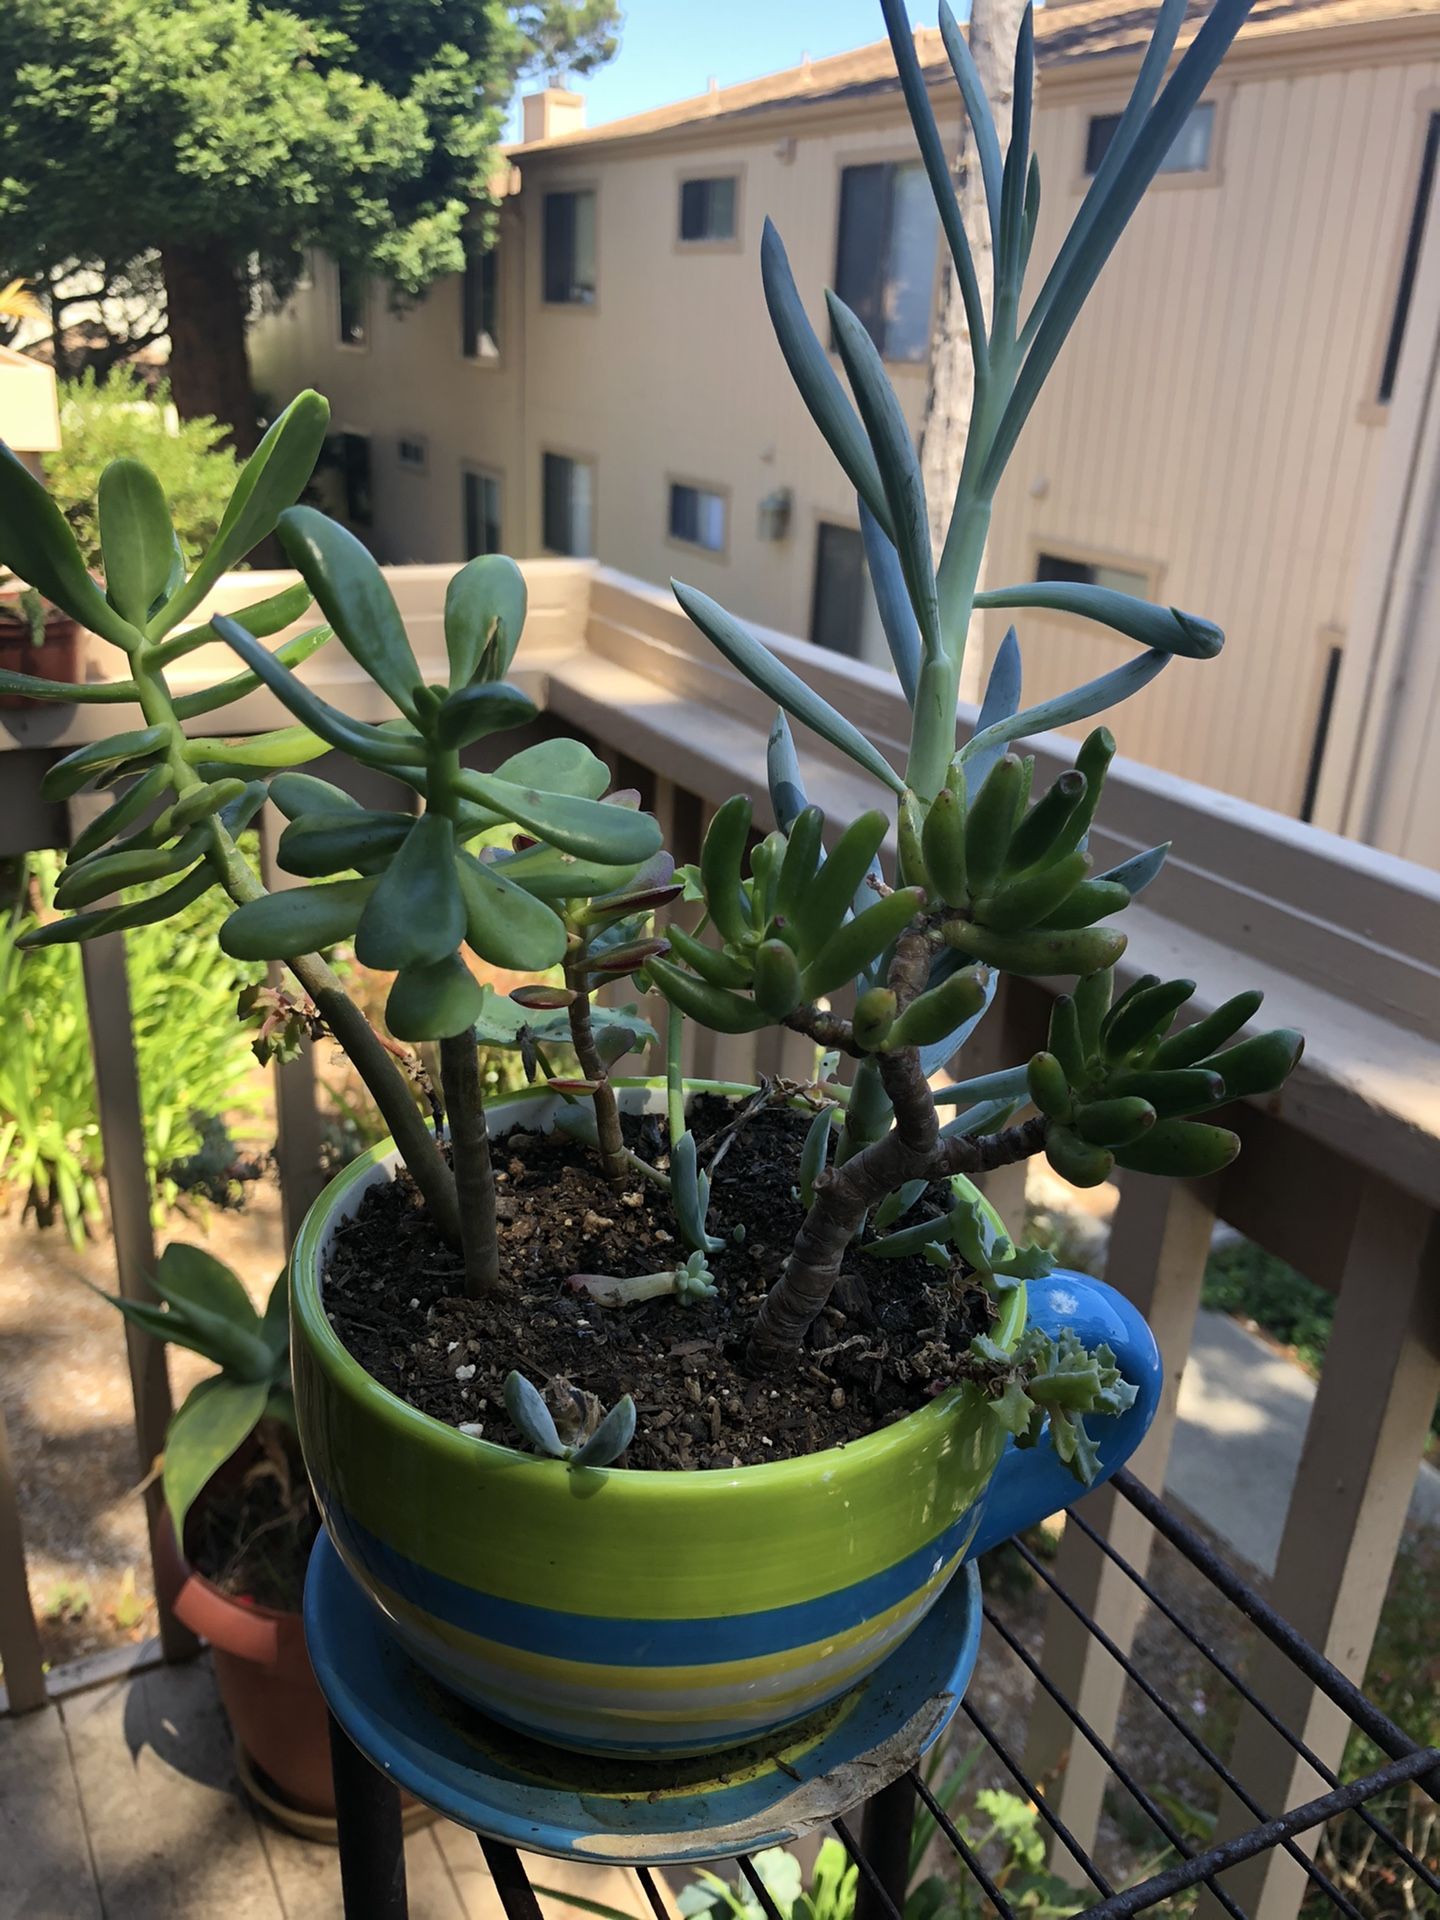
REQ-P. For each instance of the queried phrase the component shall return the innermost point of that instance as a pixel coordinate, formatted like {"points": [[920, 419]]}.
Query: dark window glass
{"points": [[479, 306], [1189, 151], [413, 453], [837, 605], [885, 255], [1091, 573], [353, 290], [355, 474], [569, 249], [707, 210], [1404, 293], [567, 502], [698, 516], [1059, 566], [482, 513]]}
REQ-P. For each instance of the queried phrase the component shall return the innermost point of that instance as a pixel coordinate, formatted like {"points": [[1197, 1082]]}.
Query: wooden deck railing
{"points": [[1340, 1175]]}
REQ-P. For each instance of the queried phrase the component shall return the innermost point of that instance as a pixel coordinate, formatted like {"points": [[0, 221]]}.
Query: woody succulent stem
{"points": [[470, 1153], [614, 1160]]}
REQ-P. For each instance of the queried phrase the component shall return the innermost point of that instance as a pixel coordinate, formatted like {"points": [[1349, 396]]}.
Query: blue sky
{"points": [[670, 48]]}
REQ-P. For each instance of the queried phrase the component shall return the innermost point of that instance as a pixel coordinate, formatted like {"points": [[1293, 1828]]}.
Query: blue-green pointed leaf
{"points": [[1009, 256], [1136, 873], [763, 670], [484, 615], [610, 1438], [531, 1415], [897, 616], [353, 595], [1010, 1083], [690, 1195], [137, 541], [37, 545], [812, 373], [1079, 704], [271, 480], [1165, 628], [1001, 699], [783, 775], [977, 108]]}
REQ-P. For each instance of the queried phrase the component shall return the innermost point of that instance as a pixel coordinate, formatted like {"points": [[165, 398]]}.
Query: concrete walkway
{"points": [[1243, 1412]]}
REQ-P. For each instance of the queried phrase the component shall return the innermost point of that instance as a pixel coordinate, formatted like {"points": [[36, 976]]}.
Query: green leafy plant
{"points": [[205, 1307], [117, 417]]}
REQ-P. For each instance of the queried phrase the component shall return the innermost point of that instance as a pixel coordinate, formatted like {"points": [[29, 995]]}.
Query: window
{"points": [[480, 505], [1089, 573], [567, 504], [697, 516], [843, 614], [1404, 292], [886, 254], [479, 305], [569, 267], [1189, 150], [707, 210], [412, 452], [354, 297], [355, 478]]}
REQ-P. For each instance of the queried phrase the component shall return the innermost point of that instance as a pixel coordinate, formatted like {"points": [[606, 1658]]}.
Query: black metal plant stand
{"points": [[877, 1837]]}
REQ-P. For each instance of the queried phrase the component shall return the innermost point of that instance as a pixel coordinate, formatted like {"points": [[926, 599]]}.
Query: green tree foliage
{"points": [[568, 39], [114, 418], [217, 132]]}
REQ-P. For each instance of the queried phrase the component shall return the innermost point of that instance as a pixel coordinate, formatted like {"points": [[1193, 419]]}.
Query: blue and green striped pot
{"points": [[642, 1612]]}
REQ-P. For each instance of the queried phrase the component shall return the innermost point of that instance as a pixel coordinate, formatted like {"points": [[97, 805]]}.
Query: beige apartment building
{"points": [[1221, 432]]}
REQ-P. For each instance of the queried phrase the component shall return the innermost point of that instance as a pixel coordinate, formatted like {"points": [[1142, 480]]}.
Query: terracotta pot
{"points": [[56, 658], [263, 1673]]}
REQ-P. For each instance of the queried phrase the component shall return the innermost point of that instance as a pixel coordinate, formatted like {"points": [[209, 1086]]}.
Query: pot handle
{"points": [[243, 1631], [1031, 1484]]}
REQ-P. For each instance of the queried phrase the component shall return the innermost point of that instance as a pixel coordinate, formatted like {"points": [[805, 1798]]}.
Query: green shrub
{"points": [[105, 420], [192, 1055]]}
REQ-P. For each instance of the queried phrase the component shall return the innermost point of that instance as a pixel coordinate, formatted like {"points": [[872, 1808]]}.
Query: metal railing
{"points": [[1340, 1174]]}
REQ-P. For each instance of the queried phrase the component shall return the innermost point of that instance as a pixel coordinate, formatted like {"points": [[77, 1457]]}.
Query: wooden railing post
{"points": [[1367, 1432], [19, 1636], [1159, 1244]]}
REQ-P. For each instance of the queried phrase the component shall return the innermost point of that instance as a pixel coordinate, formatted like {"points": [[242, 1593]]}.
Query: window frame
{"points": [[478, 470], [1083, 554], [1373, 409], [480, 358], [735, 243], [720, 492], [552, 190], [362, 345], [884, 157], [1098, 106], [582, 459]]}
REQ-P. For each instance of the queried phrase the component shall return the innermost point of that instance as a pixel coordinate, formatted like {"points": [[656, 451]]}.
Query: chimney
{"points": [[551, 113]]}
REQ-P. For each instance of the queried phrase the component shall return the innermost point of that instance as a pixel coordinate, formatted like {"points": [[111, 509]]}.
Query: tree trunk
{"points": [[209, 366], [993, 30]]}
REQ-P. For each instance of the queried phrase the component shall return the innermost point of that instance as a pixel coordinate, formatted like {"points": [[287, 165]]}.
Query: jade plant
{"points": [[881, 938]]}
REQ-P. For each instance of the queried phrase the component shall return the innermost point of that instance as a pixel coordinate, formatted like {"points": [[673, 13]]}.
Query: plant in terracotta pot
{"points": [[653, 1416], [240, 1521]]}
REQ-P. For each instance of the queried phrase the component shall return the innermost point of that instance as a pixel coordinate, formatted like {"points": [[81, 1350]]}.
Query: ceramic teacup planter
{"points": [[646, 1612]]}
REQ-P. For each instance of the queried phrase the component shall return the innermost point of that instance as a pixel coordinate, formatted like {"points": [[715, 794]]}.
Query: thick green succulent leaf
{"points": [[84, 693], [271, 480], [85, 881], [1165, 628], [373, 746], [550, 875], [253, 753], [124, 813], [137, 541], [300, 793], [557, 766], [216, 1420], [591, 830], [416, 916], [353, 595], [475, 711], [1079, 704], [76, 770], [318, 844], [763, 670], [484, 616], [506, 925], [137, 913], [897, 616], [189, 706], [812, 373], [897, 459], [300, 920], [262, 618], [435, 1001], [36, 543]]}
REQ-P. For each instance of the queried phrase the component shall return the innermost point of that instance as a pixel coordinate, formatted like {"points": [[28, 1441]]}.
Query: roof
{"points": [[1082, 30]]}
